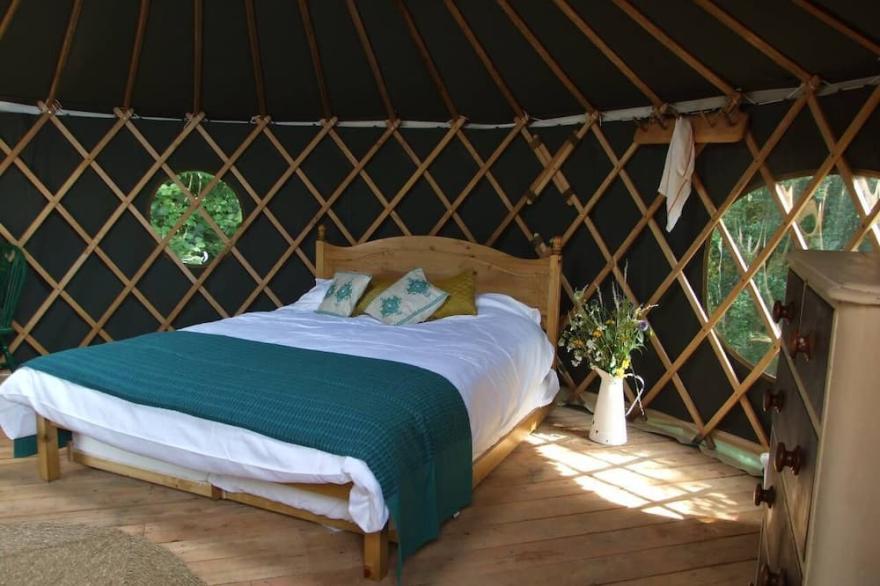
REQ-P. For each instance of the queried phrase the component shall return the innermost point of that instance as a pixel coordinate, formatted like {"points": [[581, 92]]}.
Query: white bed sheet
{"points": [[500, 362]]}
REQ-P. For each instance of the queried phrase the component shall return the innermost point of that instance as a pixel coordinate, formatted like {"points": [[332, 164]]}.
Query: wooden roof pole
{"points": [[7, 17], [316, 57], [484, 58], [555, 67], [754, 40], [551, 170], [427, 59], [371, 59], [198, 46], [838, 25], [675, 48], [72, 22], [136, 49], [256, 61], [548, 59], [609, 53]]}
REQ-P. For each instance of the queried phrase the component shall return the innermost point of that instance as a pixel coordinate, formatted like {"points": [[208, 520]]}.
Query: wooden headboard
{"points": [[535, 282]]}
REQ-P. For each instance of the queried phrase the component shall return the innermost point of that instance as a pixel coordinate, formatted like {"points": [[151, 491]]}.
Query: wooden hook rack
{"points": [[715, 127]]}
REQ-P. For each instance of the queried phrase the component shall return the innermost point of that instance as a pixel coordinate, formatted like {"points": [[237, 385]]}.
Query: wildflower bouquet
{"points": [[606, 336]]}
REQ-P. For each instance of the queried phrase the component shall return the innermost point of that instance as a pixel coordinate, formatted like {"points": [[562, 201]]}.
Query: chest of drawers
{"points": [[821, 492]]}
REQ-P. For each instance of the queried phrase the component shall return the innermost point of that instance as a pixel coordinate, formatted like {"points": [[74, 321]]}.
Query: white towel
{"points": [[676, 181]]}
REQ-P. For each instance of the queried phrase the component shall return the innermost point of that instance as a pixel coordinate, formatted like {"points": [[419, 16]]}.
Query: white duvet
{"points": [[500, 361]]}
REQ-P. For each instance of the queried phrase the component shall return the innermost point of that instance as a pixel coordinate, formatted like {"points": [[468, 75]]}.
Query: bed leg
{"points": [[47, 450], [376, 554]]}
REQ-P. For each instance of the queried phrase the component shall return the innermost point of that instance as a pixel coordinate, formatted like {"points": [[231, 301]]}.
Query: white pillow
{"points": [[343, 293], [312, 298], [506, 303], [410, 300]]}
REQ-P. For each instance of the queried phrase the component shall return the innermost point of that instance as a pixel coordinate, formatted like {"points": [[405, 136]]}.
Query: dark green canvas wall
{"points": [[56, 246]]}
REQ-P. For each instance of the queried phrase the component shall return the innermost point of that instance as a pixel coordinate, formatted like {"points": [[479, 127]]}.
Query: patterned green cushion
{"points": [[410, 300], [343, 294]]}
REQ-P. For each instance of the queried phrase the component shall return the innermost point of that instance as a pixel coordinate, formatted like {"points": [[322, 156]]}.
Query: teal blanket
{"points": [[408, 424]]}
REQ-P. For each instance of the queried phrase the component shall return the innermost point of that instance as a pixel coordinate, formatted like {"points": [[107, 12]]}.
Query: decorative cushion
{"points": [[462, 299], [343, 293], [410, 300], [462, 289]]}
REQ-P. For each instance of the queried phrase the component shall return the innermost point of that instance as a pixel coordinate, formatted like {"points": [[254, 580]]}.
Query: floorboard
{"points": [[560, 510]]}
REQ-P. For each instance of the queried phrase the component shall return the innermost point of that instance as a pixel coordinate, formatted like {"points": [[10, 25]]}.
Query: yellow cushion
{"points": [[462, 296], [462, 291]]}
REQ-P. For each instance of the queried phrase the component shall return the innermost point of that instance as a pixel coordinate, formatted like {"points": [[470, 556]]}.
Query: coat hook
{"points": [[732, 109], [711, 121], [661, 113], [731, 116]]}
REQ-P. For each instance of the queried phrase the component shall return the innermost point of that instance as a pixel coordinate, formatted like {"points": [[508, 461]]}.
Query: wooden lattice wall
{"points": [[76, 195]]}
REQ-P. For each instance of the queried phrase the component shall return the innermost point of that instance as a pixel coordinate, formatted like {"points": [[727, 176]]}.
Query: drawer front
{"points": [[790, 320], [794, 445], [777, 554], [809, 347]]}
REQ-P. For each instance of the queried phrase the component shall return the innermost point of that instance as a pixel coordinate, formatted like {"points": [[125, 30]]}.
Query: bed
{"points": [[500, 361]]}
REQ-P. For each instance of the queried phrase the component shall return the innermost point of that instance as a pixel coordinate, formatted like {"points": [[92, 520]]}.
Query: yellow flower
{"points": [[619, 372], [625, 363], [596, 333], [610, 321]]}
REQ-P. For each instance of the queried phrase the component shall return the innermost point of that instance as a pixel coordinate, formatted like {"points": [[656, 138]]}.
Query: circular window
{"points": [[196, 242], [828, 222]]}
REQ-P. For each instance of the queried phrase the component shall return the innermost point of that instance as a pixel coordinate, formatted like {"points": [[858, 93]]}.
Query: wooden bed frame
{"points": [[535, 282]]}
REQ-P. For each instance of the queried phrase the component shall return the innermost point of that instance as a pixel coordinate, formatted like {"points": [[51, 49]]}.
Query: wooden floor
{"points": [[559, 510]]}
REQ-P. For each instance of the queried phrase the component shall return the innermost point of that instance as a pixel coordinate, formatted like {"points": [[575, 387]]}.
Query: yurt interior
{"points": [[562, 292]]}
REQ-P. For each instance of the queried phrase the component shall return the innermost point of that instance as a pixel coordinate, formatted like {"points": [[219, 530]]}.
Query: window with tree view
{"points": [[196, 241], [829, 221]]}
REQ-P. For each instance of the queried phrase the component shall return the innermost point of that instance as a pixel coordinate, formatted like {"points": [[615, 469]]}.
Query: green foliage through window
{"points": [[828, 222], [195, 242]]}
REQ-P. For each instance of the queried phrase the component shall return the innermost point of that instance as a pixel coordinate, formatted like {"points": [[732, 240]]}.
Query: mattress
{"points": [[499, 361]]}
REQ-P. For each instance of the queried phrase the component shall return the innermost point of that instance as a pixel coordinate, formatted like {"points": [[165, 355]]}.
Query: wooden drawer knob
{"points": [[769, 578], [774, 401], [800, 344], [790, 458], [783, 311], [764, 495]]}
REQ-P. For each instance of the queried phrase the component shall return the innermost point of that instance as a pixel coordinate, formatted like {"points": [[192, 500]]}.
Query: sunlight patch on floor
{"points": [[576, 460], [538, 438], [635, 480], [639, 485], [611, 493]]}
